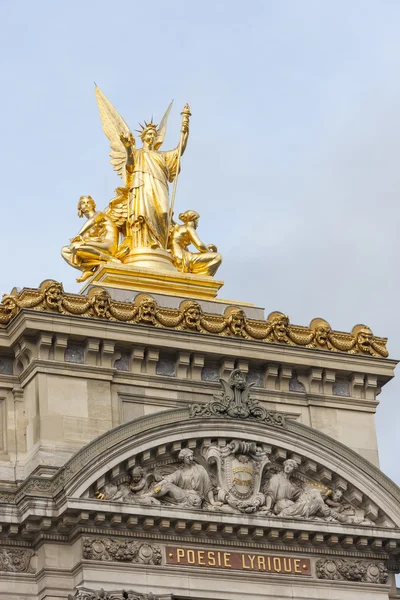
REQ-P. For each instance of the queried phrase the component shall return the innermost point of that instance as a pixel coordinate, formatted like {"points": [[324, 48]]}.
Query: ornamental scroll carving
{"points": [[84, 593], [14, 560], [50, 297], [351, 570], [109, 549], [235, 402]]}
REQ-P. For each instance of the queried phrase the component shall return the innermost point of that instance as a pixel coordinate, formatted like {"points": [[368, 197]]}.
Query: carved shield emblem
{"points": [[242, 476], [239, 466]]}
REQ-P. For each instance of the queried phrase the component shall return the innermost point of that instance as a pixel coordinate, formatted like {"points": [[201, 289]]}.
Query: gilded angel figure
{"points": [[146, 172]]}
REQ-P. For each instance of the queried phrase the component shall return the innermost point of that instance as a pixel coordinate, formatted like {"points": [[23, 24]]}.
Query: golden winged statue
{"points": [[140, 213]]}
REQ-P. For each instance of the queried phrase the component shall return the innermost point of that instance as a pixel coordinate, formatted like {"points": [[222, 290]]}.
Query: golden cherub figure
{"points": [[204, 262], [96, 242]]}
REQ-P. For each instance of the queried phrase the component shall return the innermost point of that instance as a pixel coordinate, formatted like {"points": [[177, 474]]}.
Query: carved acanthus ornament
{"points": [[235, 402], [50, 297], [15, 560]]}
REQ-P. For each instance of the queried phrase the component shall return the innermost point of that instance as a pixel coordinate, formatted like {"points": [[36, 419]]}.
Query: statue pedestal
{"points": [[165, 281], [155, 259]]}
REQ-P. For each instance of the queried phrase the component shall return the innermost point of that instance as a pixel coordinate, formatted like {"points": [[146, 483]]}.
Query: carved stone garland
{"points": [[108, 549], [351, 570]]}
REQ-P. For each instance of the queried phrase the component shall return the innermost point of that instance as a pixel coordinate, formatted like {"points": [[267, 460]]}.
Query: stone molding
{"points": [[153, 530], [186, 386]]}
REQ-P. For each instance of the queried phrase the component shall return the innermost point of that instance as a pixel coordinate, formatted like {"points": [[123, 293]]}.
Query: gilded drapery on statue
{"points": [[142, 211]]}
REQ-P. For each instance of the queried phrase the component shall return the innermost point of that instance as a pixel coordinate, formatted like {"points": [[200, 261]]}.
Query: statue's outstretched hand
{"points": [[128, 142], [212, 248]]}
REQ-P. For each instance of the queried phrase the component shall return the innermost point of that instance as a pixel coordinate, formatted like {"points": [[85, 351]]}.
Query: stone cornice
{"points": [[183, 385], [306, 538], [31, 322]]}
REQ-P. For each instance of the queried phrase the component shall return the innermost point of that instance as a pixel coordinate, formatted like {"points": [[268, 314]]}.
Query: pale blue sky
{"points": [[292, 160]]}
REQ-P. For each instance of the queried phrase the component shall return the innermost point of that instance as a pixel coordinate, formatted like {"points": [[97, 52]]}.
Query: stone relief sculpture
{"points": [[83, 593], [189, 485], [234, 476], [280, 492], [135, 491], [286, 499]]}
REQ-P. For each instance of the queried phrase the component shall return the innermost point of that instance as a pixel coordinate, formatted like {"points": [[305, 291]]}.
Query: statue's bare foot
{"points": [[85, 275]]}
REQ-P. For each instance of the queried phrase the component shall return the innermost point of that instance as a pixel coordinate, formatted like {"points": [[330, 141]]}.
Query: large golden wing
{"points": [[117, 209], [162, 128], [113, 126]]}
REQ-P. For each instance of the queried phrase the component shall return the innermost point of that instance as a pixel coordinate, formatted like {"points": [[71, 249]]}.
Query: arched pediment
{"points": [[239, 452]]}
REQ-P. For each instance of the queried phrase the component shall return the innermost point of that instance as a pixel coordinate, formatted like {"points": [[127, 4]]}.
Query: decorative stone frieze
{"points": [[6, 497], [109, 549], [351, 570], [15, 560]]}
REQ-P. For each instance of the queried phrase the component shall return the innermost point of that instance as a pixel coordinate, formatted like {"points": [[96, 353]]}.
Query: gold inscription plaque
{"points": [[244, 561]]}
